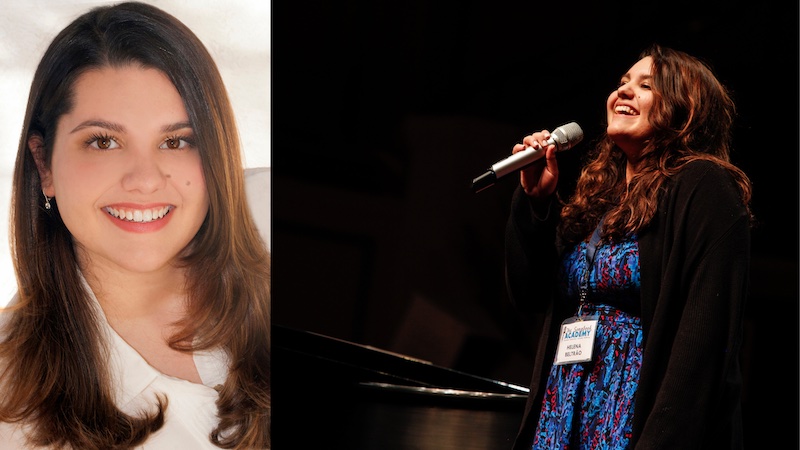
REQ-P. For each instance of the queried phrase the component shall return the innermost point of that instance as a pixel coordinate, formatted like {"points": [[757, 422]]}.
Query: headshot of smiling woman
{"points": [[142, 313]]}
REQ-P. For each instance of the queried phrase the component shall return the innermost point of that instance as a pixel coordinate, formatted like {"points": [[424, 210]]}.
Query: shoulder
{"points": [[702, 194], [705, 179], [12, 437], [5, 316], [703, 170]]}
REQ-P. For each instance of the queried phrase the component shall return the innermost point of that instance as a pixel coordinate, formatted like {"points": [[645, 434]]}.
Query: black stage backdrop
{"points": [[383, 113]]}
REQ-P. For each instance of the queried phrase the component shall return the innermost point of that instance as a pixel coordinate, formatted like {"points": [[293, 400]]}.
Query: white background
{"points": [[236, 32]]}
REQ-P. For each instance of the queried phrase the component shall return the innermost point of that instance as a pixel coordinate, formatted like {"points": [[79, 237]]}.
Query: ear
{"points": [[36, 147]]}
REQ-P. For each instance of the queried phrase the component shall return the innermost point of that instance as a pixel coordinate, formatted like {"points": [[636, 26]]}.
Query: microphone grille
{"points": [[567, 136]]}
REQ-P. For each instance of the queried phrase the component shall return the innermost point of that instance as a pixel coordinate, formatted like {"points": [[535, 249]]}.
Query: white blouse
{"points": [[191, 414]]}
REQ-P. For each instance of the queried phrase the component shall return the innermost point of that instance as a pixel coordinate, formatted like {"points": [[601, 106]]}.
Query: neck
{"points": [[630, 169], [126, 295], [144, 308]]}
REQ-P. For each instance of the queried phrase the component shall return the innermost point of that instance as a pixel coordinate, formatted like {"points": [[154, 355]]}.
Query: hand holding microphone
{"points": [[538, 180], [563, 137]]}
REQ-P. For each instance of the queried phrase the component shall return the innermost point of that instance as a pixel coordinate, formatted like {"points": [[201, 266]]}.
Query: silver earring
{"points": [[46, 201]]}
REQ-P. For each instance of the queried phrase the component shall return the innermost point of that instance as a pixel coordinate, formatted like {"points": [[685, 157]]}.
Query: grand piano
{"points": [[328, 393]]}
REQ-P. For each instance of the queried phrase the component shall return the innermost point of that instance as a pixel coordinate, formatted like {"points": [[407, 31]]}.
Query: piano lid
{"points": [[369, 365], [332, 393]]}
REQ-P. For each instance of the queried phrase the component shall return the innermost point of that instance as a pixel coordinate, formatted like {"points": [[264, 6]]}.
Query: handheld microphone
{"points": [[564, 137]]}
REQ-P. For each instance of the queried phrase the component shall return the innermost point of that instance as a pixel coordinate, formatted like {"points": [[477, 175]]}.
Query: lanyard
{"points": [[591, 248]]}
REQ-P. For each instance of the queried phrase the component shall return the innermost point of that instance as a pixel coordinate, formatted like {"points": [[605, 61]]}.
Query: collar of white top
{"points": [[132, 374]]}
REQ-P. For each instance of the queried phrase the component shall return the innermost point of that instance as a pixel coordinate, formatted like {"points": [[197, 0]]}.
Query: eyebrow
{"points": [[175, 127], [630, 77], [121, 129]]}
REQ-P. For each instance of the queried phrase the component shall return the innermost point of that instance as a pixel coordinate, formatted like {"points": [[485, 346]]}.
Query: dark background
{"points": [[384, 112]]}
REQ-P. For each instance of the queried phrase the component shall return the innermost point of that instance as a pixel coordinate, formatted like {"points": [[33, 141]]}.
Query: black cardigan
{"points": [[694, 258]]}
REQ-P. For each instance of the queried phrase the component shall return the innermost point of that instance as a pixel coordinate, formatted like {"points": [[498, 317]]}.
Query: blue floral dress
{"points": [[590, 405]]}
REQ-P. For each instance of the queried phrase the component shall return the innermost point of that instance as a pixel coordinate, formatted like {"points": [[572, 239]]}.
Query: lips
{"points": [[625, 110], [139, 218], [143, 215]]}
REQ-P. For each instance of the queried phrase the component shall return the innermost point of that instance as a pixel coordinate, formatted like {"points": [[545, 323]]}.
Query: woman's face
{"points": [[628, 109], [125, 173]]}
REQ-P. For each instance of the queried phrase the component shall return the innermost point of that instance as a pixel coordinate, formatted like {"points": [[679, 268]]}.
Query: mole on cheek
{"points": [[188, 182], [168, 176]]}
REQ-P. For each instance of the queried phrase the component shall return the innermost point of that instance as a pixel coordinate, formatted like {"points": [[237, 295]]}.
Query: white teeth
{"points": [[139, 215], [622, 109]]}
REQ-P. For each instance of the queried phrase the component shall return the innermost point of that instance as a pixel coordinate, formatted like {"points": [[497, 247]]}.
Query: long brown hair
{"points": [[692, 118], [55, 375]]}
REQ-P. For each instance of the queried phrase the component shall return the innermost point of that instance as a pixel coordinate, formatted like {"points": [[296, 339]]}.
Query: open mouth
{"points": [[626, 110], [139, 215]]}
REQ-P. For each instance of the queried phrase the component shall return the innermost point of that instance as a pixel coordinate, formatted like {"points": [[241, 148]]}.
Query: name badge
{"points": [[576, 341]]}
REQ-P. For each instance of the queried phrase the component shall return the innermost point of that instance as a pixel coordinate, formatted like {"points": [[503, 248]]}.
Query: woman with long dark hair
{"points": [[142, 312], [642, 274]]}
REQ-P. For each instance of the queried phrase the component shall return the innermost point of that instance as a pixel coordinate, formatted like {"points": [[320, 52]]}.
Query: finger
{"points": [[531, 141], [551, 162]]}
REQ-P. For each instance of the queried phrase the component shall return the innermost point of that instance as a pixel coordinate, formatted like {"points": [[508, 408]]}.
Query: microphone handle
{"points": [[519, 160], [511, 164], [484, 181]]}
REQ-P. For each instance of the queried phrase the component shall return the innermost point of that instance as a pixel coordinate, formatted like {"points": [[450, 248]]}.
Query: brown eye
{"points": [[102, 142], [176, 143]]}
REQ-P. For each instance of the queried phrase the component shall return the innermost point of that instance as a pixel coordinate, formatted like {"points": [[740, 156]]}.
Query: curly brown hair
{"points": [[692, 118]]}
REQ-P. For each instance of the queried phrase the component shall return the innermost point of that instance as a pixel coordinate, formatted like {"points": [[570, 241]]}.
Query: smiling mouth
{"points": [[139, 215], [626, 110]]}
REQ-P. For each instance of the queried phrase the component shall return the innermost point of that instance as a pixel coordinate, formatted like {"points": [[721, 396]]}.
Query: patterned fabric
{"points": [[590, 405]]}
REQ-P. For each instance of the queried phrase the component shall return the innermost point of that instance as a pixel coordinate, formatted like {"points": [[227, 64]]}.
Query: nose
{"points": [[143, 173], [624, 90]]}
